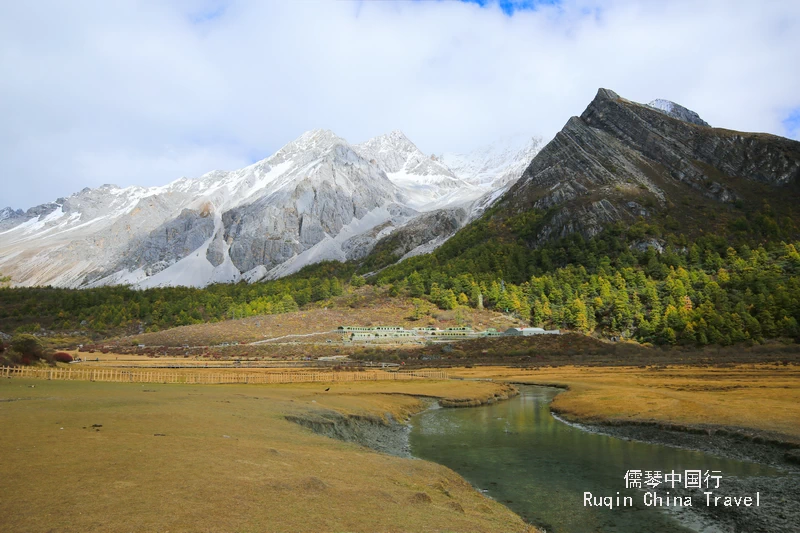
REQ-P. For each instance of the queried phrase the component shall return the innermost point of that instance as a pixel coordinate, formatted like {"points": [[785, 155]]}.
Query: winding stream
{"points": [[540, 467]]}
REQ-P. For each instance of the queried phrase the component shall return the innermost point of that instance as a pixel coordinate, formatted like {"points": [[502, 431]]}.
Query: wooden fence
{"points": [[211, 378]]}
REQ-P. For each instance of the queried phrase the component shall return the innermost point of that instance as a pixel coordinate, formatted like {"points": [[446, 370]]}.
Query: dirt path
{"points": [[293, 335]]}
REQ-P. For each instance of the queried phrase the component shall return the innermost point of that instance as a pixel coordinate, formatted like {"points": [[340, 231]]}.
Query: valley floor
{"points": [[83, 456]]}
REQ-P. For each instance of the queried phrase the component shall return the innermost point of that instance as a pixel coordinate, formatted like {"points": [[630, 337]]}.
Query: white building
{"points": [[528, 332]]}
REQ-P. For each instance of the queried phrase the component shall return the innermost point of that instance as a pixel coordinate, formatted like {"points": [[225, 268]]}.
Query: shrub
{"points": [[62, 357], [27, 345]]}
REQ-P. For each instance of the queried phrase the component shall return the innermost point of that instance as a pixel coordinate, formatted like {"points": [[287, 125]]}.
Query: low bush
{"points": [[62, 357]]}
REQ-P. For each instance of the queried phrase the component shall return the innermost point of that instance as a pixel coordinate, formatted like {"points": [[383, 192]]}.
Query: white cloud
{"points": [[146, 92]]}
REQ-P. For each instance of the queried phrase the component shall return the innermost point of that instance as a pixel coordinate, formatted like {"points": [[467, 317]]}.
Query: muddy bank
{"points": [[385, 436], [779, 509], [508, 391]]}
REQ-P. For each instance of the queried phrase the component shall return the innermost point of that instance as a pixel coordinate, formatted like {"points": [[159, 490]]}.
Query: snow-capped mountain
{"points": [[426, 182], [317, 198]]}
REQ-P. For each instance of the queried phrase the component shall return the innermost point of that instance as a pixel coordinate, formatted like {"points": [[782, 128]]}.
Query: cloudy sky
{"points": [[143, 92]]}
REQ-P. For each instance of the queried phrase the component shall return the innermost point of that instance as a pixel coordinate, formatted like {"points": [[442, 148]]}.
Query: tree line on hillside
{"points": [[114, 309]]}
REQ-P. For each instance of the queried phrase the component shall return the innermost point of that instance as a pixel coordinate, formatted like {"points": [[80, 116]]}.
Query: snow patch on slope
{"points": [[663, 105], [677, 111]]}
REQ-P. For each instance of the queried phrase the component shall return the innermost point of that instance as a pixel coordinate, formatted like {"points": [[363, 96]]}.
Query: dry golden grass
{"points": [[760, 397], [227, 461]]}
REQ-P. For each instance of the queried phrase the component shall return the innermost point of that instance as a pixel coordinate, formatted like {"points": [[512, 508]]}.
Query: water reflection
{"points": [[540, 467]]}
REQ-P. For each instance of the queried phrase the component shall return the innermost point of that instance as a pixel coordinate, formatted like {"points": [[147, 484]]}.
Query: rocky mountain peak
{"points": [[677, 111], [8, 212], [619, 156], [606, 94], [396, 138], [391, 151], [318, 140]]}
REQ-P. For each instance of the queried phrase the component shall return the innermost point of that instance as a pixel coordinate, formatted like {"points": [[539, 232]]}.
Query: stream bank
{"points": [[385, 436]]}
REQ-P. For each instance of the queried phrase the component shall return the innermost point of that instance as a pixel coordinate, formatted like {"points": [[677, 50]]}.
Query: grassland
{"points": [[221, 458], [760, 398]]}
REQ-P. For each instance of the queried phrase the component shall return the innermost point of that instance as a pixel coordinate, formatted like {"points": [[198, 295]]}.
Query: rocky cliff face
{"points": [[339, 187], [420, 235], [621, 160], [170, 242]]}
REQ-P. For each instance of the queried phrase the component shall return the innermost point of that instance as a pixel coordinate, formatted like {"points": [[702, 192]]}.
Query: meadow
{"points": [[99, 456], [93, 456]]}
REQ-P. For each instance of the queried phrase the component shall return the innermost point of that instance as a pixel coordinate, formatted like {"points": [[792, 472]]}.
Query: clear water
{"points": [[540, 467]]}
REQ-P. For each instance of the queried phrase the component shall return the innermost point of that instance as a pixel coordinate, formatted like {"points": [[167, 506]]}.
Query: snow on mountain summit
{"points": [[677, 111], [426, 182], [394, 152]]}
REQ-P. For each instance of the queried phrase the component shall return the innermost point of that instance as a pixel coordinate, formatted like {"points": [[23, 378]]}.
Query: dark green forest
{"points": [[646, 281], [115, 309]]}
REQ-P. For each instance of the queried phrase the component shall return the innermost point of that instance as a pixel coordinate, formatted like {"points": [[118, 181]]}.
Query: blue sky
{"points": [[792, 124], [142, 92]]}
